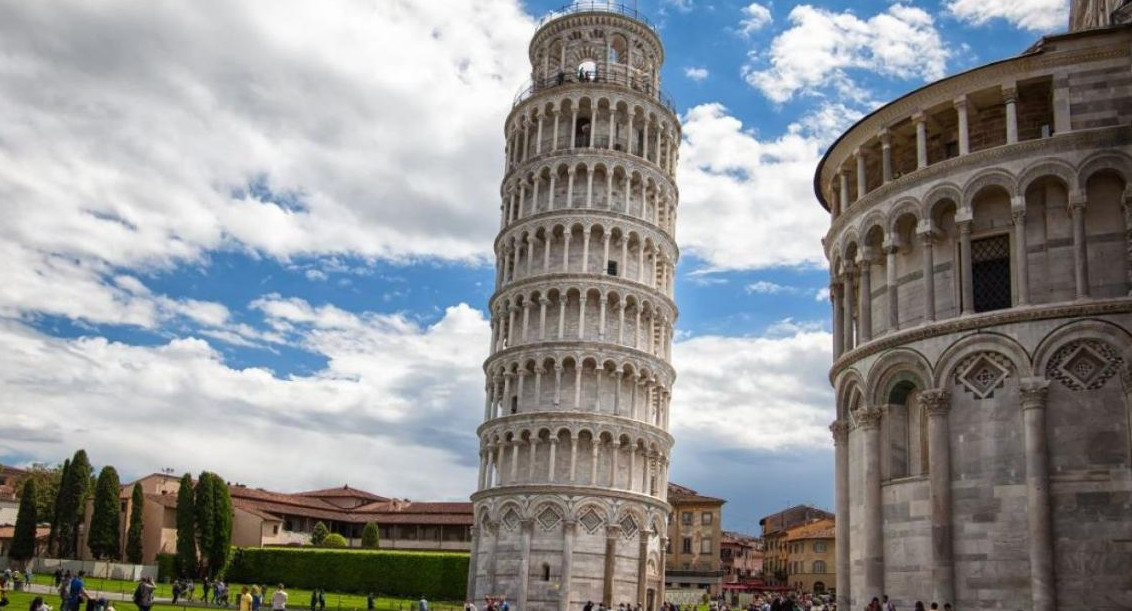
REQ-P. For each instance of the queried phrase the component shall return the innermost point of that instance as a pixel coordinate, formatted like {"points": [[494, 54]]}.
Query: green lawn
{"points": [[299, 600]]}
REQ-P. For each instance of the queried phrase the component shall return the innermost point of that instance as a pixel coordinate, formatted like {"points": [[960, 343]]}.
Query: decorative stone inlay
{"points": [[1085, 364], [629, 527], [983, 373], [548, 518], [590, 520], [510, 519]]}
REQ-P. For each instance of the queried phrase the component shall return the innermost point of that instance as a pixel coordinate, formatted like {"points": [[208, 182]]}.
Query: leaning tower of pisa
{"points": [[574, 447]]}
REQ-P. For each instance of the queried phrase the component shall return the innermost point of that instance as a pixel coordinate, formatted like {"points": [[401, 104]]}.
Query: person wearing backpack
{"points": [[143, 594]]}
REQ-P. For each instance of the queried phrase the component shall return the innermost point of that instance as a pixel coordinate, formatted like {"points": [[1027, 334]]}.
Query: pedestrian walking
{"points": [[279, 599]]}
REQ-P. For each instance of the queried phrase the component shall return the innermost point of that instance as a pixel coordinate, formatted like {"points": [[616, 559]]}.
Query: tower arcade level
{"points": [[574, 446]]}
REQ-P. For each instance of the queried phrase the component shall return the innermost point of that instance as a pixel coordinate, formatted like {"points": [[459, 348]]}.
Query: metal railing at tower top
{"points": [[583, 77], [597, 6]]}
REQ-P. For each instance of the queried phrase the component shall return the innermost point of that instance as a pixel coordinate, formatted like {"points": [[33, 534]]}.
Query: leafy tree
{"points": [[371, 537], [334, 540], [186, 528], [23, 542], [134, 548], [105, 537], [46, 489], [205, 518], [57, 535], [71, 503], [222, 530], [318, 535]]}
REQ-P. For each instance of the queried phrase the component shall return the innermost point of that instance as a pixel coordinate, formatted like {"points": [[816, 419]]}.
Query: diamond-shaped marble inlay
{"points": [[548, 518], [1084, 365], [983, 376], [511, 519], [629, 527], [590, 520]]}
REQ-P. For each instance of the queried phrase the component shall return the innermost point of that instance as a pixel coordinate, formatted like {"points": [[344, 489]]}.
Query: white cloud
{"points": [[740, 195], [391, 390], [755, 18], [769, 288], [821, 48], [368, 130], [697, 74], [822, 294], [772, 392], [1034, 15]]}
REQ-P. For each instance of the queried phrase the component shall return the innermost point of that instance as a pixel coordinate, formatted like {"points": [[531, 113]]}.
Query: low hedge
{"points": [[435, 575], [166, 567]]}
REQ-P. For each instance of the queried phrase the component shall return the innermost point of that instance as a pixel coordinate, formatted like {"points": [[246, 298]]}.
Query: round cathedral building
{"points": [[574, 447], [979, 256]]}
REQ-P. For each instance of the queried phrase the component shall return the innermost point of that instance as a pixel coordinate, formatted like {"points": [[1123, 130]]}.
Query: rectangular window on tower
{"points": [[990, 272], [611, 268]]}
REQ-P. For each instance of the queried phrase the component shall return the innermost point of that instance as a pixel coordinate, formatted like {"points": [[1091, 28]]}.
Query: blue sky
{"points": [[257, 239]]}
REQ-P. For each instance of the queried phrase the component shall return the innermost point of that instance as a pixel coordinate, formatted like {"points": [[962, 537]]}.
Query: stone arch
{"points": [[981, 341], [903, 207], [1048, 166], [892, 367], [1116, 161], [848, 381], [987, 178], [1084, 329], [938, 194]]}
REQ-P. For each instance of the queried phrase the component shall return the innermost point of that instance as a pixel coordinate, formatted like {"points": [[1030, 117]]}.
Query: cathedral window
{"points": [[990, 272]]}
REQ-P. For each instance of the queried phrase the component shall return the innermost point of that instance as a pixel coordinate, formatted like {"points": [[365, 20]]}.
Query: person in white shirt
{"points": [[279, 600]]}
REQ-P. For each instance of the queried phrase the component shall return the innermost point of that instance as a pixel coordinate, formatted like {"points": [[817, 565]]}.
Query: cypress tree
{"points": [[105, 536], [186, 528], [23, 542], [74, 509], [205, 520], [222, 526], [134, 534], [371, 536], [318, 535], [58, 525]]}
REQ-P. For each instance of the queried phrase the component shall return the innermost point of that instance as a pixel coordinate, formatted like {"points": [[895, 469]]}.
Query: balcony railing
{"points": [[589, 6], [597, 77]]}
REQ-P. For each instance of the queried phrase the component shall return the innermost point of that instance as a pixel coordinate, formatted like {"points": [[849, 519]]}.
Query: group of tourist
{"points": [[877, 604], [14, 580], [490, 603]]}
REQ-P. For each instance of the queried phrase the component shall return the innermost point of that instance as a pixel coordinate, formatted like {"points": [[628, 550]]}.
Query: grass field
{"points": [[122, 590]]}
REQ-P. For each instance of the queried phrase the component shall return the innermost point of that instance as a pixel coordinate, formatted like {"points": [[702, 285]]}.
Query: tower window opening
{"points": [[611, 268], [582, 133], [545, 572], [515, 404], [587, 71], [990, 272]]}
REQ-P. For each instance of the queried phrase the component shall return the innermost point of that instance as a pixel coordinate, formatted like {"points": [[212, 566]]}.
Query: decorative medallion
{"points": [[1084, 364], [983, 373], [549, 517], [590, 520], [511, 519], [629, 527]]}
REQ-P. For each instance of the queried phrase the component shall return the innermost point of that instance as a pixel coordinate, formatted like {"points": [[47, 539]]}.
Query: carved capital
{"points": [[869, 418], [840, 430], [1034, 392], [936, 402], [1077, 200]]}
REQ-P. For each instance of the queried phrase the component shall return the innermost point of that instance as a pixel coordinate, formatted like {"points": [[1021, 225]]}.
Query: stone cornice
{"points": [[946, 90], [1106, 137], [596, 90], [518, 490], [561, 24], [597, 155], [998, 318], [587, 217], [591, 280], [573, 420], [580, 348]]}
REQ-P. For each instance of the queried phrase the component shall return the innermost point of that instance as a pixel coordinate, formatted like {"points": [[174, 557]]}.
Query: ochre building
{"points": [[981, 230], [571, 502], [695, 534]]}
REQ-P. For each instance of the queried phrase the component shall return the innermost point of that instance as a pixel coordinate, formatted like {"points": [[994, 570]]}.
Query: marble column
{"points": [[642, 564], [936, 403], [612, 533], [966, 283], [843, 185], [1022, 263], [847, 307], [1080, 244], [869, 422], [964, 137], [928, 272], [551, 461], [525, 561], [862, 173], [1034, 392], [885, 138], [473, 562], [921, 122], [492, 556], [1010, 98], [865, 296], [569, 527], [840, 430], [891, 285], [838, 336]]}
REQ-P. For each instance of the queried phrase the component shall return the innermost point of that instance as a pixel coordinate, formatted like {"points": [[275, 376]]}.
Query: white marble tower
{"points": [[574, 447]]}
